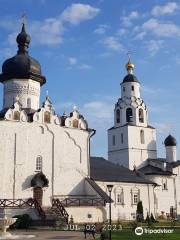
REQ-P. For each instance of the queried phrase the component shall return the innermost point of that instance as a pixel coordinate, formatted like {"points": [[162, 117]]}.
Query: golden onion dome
{"points": [[129, 64]]}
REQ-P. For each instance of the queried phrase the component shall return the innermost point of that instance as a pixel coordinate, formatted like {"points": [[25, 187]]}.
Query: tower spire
{"points": [[129, 65], [23, 39]]}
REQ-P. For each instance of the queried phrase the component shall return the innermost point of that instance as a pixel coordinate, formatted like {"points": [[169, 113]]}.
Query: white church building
{"points": [[45, 162]]}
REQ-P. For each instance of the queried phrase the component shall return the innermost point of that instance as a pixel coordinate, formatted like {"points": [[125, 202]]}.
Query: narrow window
{"points": [[28, 103], [114, 140], [123, 89], [75, 123], [132, 88], [135, 198], [17, 115], [129, 115], [47, 117], [39, 163], [119, 198], [122, 138], [141, 115], [164, 185], [118, 116], [142, 137]]}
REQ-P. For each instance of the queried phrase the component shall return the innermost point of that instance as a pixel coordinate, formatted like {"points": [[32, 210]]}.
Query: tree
{"points": [[147, 218], [152, 218], [139, 212]]}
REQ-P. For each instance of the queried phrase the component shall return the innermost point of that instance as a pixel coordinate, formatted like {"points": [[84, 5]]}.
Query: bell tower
{"points": [[131, 140]]}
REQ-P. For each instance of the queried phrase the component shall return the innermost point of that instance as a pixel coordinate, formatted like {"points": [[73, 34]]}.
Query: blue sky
{"points": [[82, 47]]}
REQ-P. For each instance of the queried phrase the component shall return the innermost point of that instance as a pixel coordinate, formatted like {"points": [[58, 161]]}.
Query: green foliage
{"points": [[147, 218], [152, 218], [22, 222], [104, 236], [139, 212]]}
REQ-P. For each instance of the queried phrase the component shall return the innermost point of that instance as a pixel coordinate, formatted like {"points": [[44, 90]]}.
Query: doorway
{"points": [[38, 194]]}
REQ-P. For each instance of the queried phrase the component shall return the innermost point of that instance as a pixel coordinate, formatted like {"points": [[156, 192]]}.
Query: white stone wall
{"points": [[27, 90], [81, 214], [128, 210], [64, 152], [131, 152], [165, 198], [128, 89]]}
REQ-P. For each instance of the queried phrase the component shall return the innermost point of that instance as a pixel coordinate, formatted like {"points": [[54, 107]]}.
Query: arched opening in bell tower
{"points": [[141, 115], [129, 115], [117, 116]]}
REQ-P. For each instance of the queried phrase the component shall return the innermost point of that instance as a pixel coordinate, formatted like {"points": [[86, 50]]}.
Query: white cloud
{"points": [[72, 60], [113, 43], [154, 46], [127, 20], [74, 63], [84, 66], [98, 113], [166, 9], [51, 31], [78, 12], [159, 29], [101, 29], [6, 52], [121, 32]]}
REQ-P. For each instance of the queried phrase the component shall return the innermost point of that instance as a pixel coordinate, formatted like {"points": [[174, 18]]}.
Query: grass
{"points": [[127, 234]]}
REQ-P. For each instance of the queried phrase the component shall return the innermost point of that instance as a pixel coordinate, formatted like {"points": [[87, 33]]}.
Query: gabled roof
{"points": [[106, 171], [99, 190]]}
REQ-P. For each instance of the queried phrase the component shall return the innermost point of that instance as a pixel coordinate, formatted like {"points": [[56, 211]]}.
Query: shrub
{"points": [[152, 218], [139, 212], [104, 236], [22, 222]]}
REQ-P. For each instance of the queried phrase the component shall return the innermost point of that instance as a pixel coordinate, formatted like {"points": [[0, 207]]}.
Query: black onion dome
{"points": [[170, 141], [130, 78], [22, 65]]}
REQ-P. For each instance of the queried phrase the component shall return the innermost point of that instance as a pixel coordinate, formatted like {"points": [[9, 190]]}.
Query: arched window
{"points": [[129, 115], [141, 115], [17, 115], [47, 117], [39, 164], [75, 123], [117, 116], [28, 103], [132, 88], [142, 137]]}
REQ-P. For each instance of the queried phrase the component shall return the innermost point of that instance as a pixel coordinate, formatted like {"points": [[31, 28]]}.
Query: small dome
{"points": [[23, 38], [170, 141], [129, 65], [22, 65], [130, 78]]}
